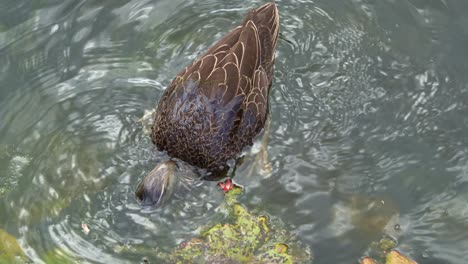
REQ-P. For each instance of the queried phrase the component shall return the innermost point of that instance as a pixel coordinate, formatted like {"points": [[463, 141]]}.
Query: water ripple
{"points": [[368, 124]]}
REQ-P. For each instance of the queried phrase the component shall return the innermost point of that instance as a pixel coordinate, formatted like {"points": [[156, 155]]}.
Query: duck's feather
{"points": [[218, 104]]}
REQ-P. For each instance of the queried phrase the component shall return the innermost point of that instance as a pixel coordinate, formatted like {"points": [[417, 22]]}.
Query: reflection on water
{"points": [[368, 111]]}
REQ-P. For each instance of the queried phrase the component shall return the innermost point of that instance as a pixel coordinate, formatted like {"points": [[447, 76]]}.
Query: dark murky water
{"points": [[369, 113]]}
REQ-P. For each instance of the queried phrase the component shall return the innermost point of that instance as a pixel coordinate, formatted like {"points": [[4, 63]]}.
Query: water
{"points": [[368, 118]]}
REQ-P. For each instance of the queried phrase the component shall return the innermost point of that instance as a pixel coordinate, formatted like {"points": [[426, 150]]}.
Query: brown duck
{"points": [[215, 107]]}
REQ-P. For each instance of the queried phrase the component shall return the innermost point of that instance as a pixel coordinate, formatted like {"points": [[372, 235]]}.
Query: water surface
{"points": [[369, 116]]}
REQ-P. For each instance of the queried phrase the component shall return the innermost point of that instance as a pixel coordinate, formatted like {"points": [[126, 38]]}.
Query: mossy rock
{"points": [[248, 238], [379, 249], [276, 254], [10, 250]]}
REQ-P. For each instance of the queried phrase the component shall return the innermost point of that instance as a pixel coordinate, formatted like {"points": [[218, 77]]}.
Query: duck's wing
{"points": [[199, 109], [222, 93], [227, 69], [255, 104]]}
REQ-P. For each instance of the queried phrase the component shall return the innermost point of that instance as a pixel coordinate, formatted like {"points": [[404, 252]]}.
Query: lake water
{"points": [[369, 125]]}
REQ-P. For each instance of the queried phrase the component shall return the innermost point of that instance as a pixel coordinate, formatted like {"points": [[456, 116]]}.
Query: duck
{"points": [[214, 108]]}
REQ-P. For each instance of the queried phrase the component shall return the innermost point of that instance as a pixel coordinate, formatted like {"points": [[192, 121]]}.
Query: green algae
{"points": [[379, 249], [10, 250], [248, 238]]}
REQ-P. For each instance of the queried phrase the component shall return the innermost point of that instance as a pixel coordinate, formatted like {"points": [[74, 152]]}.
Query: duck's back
{"points": [[217, 105]]}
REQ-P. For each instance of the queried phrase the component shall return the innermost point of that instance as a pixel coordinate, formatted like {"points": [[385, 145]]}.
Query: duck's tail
{"points": [[266, 20]]}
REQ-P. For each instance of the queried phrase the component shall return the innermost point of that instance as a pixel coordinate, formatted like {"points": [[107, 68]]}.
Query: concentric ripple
{"points": [[368, 118]]}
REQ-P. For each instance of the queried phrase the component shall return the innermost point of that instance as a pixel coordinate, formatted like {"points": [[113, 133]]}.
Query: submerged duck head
{"points": [[163, 181]]}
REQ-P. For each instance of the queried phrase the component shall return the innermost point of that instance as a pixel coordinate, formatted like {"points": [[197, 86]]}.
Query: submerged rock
{"points": [[394, 257], [368, 260]]}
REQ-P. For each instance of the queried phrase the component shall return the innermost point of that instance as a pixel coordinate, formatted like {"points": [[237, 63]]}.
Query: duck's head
{"points": [[161, 183]]}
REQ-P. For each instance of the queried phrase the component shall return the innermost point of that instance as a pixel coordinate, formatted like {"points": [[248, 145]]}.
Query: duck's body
{"points": [[216, 106]]}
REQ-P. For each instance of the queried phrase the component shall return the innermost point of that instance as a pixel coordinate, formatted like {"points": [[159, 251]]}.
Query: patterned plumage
{"points": [[218, 104], [215, 107]]}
